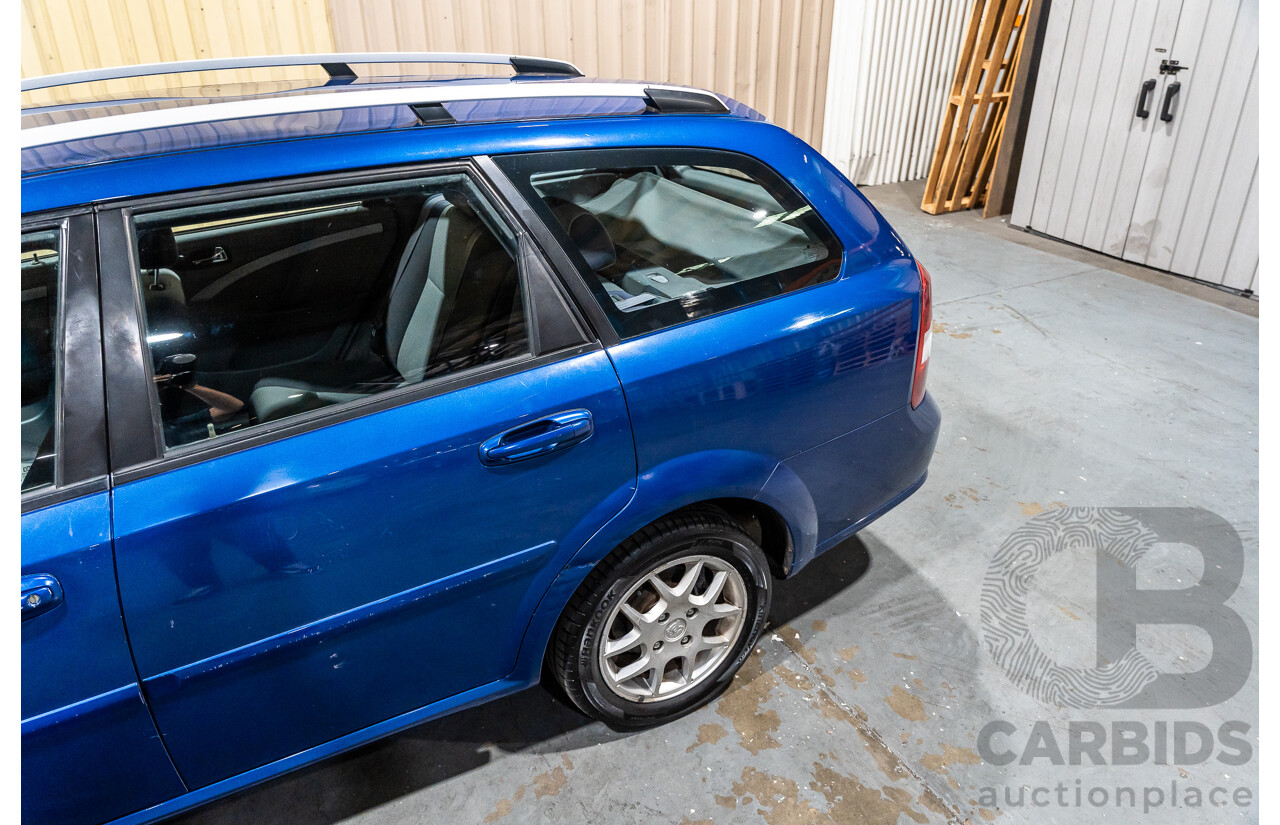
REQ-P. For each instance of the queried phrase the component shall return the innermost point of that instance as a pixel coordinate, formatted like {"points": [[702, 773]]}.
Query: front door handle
{"points": [[40, 594], [546, 435], [1170, 95], [1148, 87]]}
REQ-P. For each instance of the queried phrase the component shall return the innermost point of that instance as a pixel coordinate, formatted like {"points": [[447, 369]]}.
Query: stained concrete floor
{"points": [[1065, 379]]}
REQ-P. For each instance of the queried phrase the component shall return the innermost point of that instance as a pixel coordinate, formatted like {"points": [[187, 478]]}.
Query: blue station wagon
{"points": [[346, 406]]}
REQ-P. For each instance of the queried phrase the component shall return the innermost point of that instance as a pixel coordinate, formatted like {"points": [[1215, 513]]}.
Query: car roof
{"points": [[85, 132]]}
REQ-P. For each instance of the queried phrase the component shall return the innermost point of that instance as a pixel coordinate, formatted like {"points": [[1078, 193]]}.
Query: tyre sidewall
{"points": [[722, 543]]}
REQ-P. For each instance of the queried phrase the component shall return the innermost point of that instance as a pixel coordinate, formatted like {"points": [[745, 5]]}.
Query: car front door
{"points": [[90, 751], [310, 549]]}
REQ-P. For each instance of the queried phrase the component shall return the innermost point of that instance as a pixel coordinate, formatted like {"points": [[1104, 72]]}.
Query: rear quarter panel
{"points": [[794, 376], [800, 402]]}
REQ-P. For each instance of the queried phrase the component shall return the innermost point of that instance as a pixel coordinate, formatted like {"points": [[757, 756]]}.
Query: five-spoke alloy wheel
{"points": [[665, 620]]}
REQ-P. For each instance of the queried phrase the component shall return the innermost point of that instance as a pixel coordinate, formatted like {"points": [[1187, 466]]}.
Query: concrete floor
{"points": [[1065, 379]]}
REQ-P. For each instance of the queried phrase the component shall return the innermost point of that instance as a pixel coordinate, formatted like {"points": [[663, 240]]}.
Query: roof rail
{"points": [[337, 66], [657, 98], [684, 101]]}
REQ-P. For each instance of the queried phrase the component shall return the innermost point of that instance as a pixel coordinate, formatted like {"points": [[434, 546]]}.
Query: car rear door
{"points": [[90, 751], [294, 581]]}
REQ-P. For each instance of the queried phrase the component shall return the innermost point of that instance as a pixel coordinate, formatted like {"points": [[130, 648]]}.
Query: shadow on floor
{"points": [[538, 720]]}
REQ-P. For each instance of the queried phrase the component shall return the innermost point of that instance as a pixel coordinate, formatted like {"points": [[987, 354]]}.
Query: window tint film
{"points": [[40, 279], [667, 235], [267, 308]]}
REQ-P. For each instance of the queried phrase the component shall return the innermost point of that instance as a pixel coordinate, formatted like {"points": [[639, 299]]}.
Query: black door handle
{"points": [[1147, 88], [1170, 94]]}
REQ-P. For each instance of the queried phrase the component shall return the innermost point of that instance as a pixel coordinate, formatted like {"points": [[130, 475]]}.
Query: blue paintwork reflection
{"points": [[854, 476], [710, 384], [80, 698], [325, 582]]}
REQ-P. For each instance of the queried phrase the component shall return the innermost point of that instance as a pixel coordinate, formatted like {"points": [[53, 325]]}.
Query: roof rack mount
{"points": [[336, 65]]}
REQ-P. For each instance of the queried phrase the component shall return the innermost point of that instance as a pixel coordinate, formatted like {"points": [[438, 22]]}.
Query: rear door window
{"points": [[271, 307], [665, 236]]}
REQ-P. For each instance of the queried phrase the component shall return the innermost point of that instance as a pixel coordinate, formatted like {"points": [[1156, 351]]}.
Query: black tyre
{"points": [[664, 621]]}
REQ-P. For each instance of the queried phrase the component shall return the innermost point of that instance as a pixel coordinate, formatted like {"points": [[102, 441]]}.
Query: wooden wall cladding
{"points": [[770, 54]]}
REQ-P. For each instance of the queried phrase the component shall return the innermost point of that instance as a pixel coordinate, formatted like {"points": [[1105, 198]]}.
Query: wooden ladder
{"points": [[974, 121]]}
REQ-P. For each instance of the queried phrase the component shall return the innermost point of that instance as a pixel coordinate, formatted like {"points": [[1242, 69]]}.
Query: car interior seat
{"points": [[441, 271], [162, 292]]}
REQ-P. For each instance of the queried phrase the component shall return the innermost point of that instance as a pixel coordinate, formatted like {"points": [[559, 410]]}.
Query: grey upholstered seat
{"points": [[162, 292], [426, 278]]}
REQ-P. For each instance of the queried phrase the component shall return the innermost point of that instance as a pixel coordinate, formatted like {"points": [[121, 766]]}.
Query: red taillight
{"points": [[925, 341]]}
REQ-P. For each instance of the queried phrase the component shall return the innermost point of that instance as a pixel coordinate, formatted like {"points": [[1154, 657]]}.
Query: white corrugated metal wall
{"points": [[891, 69]]}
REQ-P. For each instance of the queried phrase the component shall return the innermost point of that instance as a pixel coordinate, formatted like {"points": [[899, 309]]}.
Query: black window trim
{"points": [[80, 430], [566, 271], [538, 217], [136, 434]]}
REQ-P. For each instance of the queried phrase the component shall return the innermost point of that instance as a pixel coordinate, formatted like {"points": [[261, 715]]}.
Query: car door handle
{"points": [[217, 255], [1170, 95], [40, 594], [1144, 110], [546, 435]]}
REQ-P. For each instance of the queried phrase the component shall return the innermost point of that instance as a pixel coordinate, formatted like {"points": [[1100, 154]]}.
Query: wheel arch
{"points": [[759, 492], [763, 524]]}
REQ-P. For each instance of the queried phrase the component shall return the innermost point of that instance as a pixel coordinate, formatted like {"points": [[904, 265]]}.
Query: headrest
{"points": [[587, 233], [157, 249]]}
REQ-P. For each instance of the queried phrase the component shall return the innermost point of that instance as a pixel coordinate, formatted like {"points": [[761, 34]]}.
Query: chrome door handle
{"points": [[40, 594], [217, 255], [546, 435]]}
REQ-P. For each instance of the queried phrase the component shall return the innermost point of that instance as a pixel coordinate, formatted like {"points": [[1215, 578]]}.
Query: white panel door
{"points": [[1217, 239], [1135, 125], [1136, 159]]}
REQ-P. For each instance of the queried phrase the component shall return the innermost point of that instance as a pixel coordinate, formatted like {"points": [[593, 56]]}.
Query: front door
{"points": [[340, 535], [1143, 139]]}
